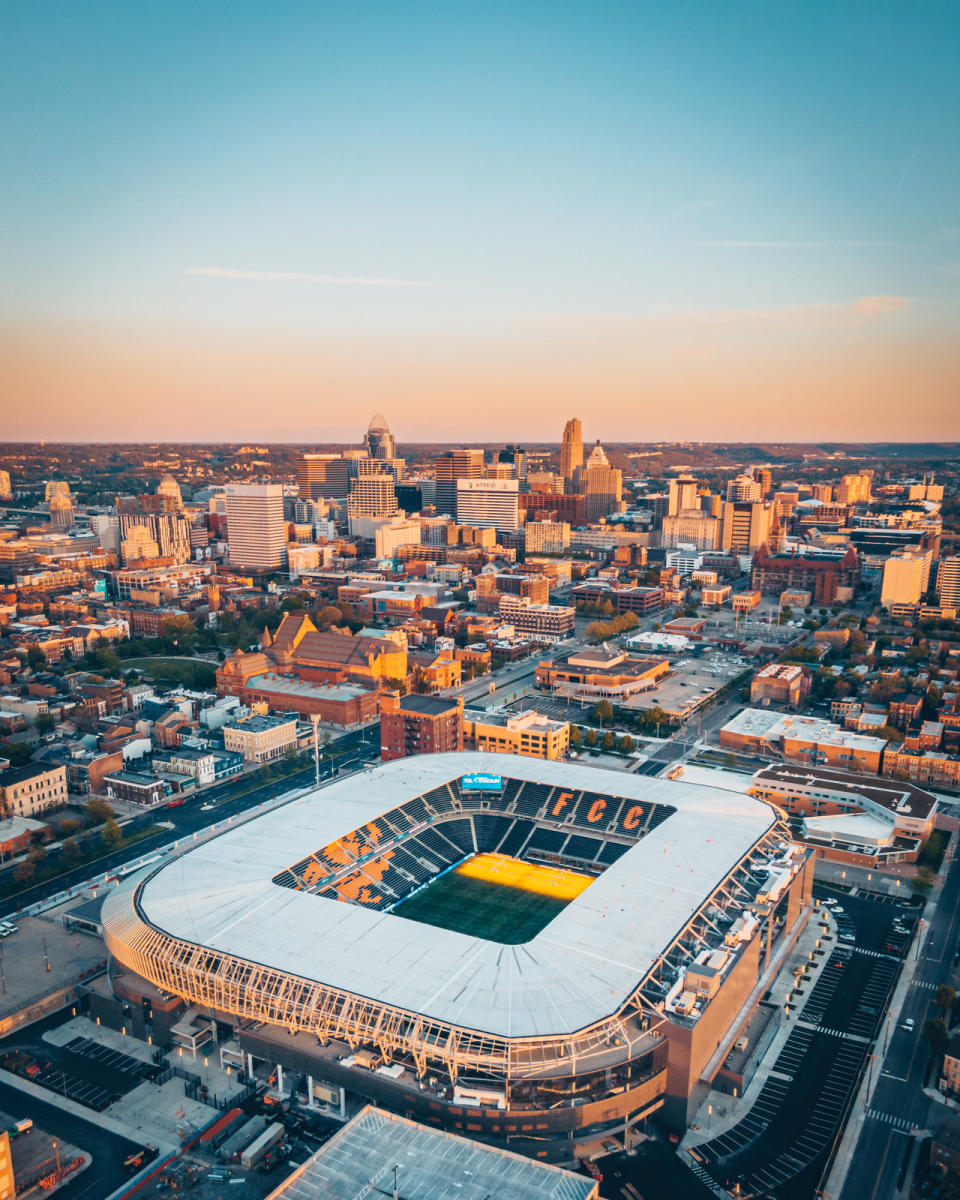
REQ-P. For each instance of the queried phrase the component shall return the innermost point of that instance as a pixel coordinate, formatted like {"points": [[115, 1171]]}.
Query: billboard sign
{"points": [[481, 783]]}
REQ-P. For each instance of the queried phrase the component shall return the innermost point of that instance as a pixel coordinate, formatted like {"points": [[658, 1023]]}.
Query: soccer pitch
{"points": [[495, 897]]}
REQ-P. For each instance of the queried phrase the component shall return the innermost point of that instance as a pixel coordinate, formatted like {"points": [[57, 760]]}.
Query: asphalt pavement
{"points": [[229, 799], [897, 1108]]}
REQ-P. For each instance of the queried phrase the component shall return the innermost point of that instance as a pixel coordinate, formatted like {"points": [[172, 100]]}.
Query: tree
{"points": [[36, 658], [923, 881], [70, 852], [23, 871], [945, 998], [329, 615], [181, 633], [111, 834], [591, 737], [626, 745], [603, 712], [574, 737], [935, 1034], [99, 810], [608, 741], [729, 760]]}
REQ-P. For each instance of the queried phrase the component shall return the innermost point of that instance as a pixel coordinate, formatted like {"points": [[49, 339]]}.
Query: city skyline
{"points": [[705, 224]]}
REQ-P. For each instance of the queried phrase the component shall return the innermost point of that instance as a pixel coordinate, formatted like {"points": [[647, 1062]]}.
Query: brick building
{"points": [[419, 725]]}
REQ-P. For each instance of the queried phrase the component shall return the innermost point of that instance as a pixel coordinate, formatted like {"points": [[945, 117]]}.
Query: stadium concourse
{"points": [[343, 937]]}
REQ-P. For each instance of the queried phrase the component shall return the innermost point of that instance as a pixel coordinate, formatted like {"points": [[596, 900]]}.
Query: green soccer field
{"points": [[482, 908]]}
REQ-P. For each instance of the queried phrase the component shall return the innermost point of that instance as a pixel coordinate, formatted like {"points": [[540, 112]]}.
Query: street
{"points": [[229, 799], [897, 1104]]}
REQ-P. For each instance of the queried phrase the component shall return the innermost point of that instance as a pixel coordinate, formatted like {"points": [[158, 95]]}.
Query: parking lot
{"points": [[781, 1144], [83, 1070]]}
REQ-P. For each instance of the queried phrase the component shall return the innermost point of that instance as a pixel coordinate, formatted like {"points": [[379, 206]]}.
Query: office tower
{"points": [[379, 440], [855, 489], [518, 457], [499, 470], [451, 466], [948, 582], [683, 494], [56, 487], [743, 488], [167, 527], [5, 490], [139, 545], [822, 492], [546, 537], [169, 488], [571, 451], [763, 476], [905, 577], [373, 494], [692, 526], [746, 525], [107, 528], [488, 503], [601, 485], [256, 531], [711, 504], [61, 510], [323, 477]]}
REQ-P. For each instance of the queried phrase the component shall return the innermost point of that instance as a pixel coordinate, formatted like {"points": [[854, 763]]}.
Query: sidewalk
{"points": [[729, 1110], [851, 1135]]}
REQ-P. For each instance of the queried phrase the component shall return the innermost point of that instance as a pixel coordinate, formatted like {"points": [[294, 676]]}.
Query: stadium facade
{"points": [[289, 928]]}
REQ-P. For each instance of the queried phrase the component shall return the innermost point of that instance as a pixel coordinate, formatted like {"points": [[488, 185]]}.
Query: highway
{"points": [[228, 800], [896, 1103]]}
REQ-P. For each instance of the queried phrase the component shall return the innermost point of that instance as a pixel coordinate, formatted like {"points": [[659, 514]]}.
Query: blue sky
{"points": [[408, 187]]}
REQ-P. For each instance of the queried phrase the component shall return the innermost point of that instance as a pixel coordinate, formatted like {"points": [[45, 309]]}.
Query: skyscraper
{"points": [[451, 466], [5, 490], [948, 582], [683, 494], [571, 451], [379, 440], [601, 484], [746, 525], [744, 488], [488, 503], [256, 531], [323, 476]]}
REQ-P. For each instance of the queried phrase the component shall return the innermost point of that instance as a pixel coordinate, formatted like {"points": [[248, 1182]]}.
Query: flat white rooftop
{"points": [[579, 969]]}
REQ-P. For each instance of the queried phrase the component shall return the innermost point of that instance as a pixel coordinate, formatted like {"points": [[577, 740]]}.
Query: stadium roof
{"points": [[359, 1161], [579, 969]]}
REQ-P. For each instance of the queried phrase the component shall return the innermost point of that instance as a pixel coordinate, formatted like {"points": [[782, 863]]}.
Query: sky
{"points": [[705, 221]]}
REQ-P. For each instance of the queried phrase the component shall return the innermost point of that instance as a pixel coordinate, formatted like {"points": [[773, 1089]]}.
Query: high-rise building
{"points": [[763, 476], [683, 494], [256, 530], [571, 451], [450, 467], [518, 457], [855, 489], [693, 526], [169, 487], [905, 577], [61, 510], [379, 440], [948, 582], [56, 487], [6, 492], [546, 537], [823, 492], [745, 526], [743, 488], [166, 526], [323, 476], [489, 503], [601, 485]]}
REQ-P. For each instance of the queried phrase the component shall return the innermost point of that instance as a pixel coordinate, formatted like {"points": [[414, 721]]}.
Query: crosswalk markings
{"points": [[897, 1122]]}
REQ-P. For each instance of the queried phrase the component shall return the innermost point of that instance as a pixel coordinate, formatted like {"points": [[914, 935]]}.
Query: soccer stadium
{"points": [[530, 952]]}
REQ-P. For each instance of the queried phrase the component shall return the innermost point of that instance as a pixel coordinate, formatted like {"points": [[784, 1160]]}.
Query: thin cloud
{"points": [[302, 277], [729, 243]]}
